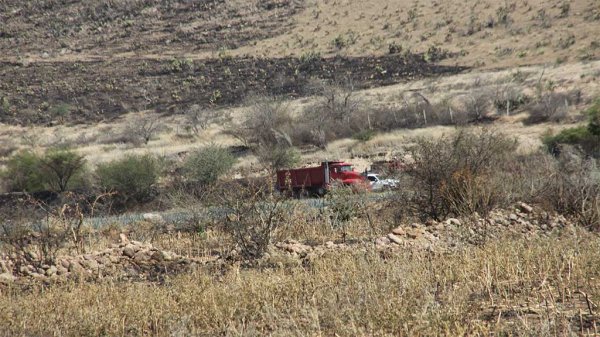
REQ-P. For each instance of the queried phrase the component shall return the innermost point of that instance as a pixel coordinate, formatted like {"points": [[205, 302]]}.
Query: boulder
{"points": [[153, 218], [129, 250], [399, 231], [525, 208], [51, 271], [382, 241], [393, 238], [453, 221]]}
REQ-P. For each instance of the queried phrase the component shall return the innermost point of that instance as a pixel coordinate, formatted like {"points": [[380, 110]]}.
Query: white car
{"points": [[380, 184]]}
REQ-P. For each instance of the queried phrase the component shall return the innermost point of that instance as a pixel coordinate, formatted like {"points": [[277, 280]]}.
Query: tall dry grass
{"points": [[510, 287]]}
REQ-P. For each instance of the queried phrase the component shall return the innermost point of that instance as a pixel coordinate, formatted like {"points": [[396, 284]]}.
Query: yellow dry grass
{"points": [[509, 287], [535, 32]]}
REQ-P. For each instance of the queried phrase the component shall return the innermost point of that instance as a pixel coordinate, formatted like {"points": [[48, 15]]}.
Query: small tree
{"points": [[206, 165], [132, 177], [60, 167]]}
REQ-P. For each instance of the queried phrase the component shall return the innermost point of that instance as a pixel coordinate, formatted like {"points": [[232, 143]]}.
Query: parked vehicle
{"points": [[380, 184], [317, 180]]}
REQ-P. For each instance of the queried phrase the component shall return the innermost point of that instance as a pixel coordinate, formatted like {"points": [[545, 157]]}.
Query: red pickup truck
{"points": [[317, 180]]}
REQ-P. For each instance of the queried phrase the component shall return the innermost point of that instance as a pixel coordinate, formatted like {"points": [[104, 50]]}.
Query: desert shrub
{"points": [[575, 190], [278, 157], [63, 169], [364, 135], [132, 177], [586, 137], [198, 119], [23, 172], [266, 123], [551, 107], [252, 216], [336, 114], [453, 175], [142, 130], [56, 170], [206, 165]]}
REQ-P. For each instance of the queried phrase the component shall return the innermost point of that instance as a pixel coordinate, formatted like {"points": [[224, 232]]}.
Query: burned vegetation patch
{"points": [[81, 92], [142, 26]]}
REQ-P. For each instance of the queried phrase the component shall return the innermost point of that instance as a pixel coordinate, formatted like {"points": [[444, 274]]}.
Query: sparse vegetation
{"points": [[470, 227]]}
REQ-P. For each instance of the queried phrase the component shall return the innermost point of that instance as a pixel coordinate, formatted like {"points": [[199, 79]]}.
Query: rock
{"points": [[51, 271], [129, 251], [158, 256], [382, 241], [525, 208], [65, 263], [329, 244], [124, 239], [7, 278], [513, 217], [393, 238], [453, 221], [153, 218], [38, 276], [141, 256], [90, 265], [60, 270], [76, 268], [113, 259], [399, 231]]}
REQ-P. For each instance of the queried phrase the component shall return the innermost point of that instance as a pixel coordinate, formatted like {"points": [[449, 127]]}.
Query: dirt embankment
{"points": [[80, 92]]}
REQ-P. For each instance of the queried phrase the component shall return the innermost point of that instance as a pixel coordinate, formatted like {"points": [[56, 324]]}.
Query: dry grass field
{"points": [[139, 139]]}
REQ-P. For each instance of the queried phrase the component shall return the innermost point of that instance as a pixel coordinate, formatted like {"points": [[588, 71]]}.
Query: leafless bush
{"points": [[336, 114], [37, 241], [507, 97], [451, 175], [198, 119], [266, 123], [575, 190], [142, 130], [476, 105], [552, 106], [252, 215]]}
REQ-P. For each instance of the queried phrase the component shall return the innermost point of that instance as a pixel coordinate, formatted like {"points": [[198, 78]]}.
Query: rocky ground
{"points": [[134, 260]]}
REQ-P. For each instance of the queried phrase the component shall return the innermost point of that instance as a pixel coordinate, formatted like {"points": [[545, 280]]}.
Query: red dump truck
{"points": [[317, 180]]}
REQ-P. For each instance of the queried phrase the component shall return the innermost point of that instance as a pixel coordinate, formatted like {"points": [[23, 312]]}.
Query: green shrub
{"points": [[62, 168], [132, 177], [364, 135], [587, 138], [206, 165], [23, 172], [57, 170]]}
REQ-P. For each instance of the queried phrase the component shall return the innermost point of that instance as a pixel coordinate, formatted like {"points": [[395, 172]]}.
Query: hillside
{"points": [[142, 144]]}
